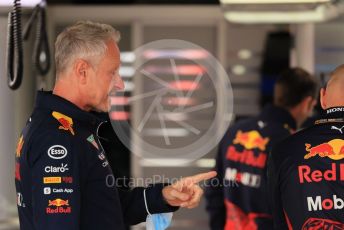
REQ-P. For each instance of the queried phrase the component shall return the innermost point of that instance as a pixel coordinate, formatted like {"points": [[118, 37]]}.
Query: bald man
{"points": [[306, 170]]}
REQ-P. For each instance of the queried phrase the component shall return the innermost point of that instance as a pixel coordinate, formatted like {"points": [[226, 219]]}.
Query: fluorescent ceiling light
{"points": [[245, 54], [27, 3], [239, 69], [272, 1], [126, 71], [164, 162], [281, 11], [206, 163], [172, 162], [171, 132], [128, 57], [275, 17], [320, 14]]}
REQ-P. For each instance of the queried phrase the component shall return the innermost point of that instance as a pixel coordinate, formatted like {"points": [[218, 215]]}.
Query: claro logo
{"points": [[57, 152]]}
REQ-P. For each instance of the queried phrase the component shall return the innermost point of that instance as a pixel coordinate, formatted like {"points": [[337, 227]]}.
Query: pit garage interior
{"points": [[248, 48]]}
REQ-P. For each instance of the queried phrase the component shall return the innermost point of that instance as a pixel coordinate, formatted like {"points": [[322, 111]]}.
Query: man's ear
{"points": [[323, 98], [81, 69], [307, 104]]}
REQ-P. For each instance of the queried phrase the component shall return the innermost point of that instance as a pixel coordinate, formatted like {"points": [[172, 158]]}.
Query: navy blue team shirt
{"points": [[240, 199], [62, 176], [306, 176]]}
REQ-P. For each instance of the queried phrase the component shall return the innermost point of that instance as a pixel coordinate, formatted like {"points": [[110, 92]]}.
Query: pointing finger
{"points": [[202, 176]]}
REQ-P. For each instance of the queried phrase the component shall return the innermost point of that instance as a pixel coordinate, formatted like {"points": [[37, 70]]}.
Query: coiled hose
{"points": [[14, 48], [41, 52]]}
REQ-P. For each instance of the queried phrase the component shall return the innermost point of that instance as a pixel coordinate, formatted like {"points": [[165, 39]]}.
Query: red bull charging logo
{"points": [[65, 121], [251, 140], [333, 149], [58, 202]]}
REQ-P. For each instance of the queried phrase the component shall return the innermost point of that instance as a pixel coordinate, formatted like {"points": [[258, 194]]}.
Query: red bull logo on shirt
{"points": [[333, 149], [309, 175], [58, 203], [247, 157], [65, 121], [251, 140]]}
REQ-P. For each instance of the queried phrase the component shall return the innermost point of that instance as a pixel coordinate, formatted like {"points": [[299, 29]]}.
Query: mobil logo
{"points": [[319, 203]]}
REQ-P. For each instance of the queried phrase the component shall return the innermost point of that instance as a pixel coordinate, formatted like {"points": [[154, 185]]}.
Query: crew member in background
{"points": [[241, 201], [306, 171], [62, 169]]}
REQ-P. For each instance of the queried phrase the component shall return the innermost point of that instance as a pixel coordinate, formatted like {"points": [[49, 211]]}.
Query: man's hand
{"points": [[186, 192]]}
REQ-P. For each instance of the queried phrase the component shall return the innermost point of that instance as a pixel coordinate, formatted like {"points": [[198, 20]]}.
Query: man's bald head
{"points": [[333, 95]]}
